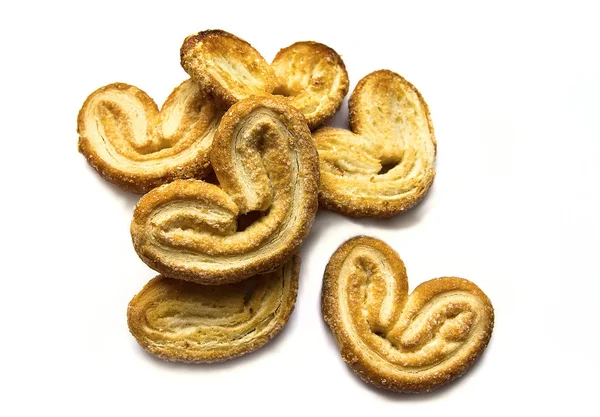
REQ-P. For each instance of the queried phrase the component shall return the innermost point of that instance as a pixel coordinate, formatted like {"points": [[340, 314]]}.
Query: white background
{"points": [[514, 92]]}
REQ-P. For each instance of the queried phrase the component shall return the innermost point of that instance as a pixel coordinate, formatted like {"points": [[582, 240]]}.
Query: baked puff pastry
{"points": [[385, 163], [314, 78], [267, 168], [401, 342], [181, 321], [135, 146], [228, 68], [310, 74]]}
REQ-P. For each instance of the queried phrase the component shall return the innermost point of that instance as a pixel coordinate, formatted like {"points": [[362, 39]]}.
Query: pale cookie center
{"points": [[391, 329]]}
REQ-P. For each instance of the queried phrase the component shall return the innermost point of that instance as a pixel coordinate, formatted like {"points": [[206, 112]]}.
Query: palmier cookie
{"points": [[133, 145], [384, 164], [310, 74], [183, 321], [267, 169], [399, 342]]}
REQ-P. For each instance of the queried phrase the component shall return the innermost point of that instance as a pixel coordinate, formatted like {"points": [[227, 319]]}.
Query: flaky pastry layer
{"points": [[314, 78], [396, 341], [228, 68], [385, 163], [267, 168], [135, 146], [312, 75], [182, 321]]}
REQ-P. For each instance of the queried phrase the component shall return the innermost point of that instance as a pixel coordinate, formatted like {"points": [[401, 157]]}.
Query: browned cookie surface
{"points": [[397, 341], [183, 321], [386, 163], [227, 68], [314, 77], [135, 146], [267, 168], [311, 75]]}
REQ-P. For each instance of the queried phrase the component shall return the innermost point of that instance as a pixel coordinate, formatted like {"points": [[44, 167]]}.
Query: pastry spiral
{"points": [[182, 321], [314, 77], [133, 145], [399, 342], [267, 169], [310, 74], [385, 164]]}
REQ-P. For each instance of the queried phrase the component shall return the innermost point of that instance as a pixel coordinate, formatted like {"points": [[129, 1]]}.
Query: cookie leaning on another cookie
{"points": [[133, 145], [182, 321], [312, 75], [385, 164], [267, 167], [401, 342]]}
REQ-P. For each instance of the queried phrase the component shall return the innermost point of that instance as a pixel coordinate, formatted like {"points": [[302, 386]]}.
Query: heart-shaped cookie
{"points": [[401, 342], [135, 146], [267, 168], [229, 69], [385, 163]]}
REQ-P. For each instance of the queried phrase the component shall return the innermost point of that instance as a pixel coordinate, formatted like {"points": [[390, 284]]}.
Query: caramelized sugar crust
{"points": [[133, 145], [226, 67], [312, 75], [182, 321], [267, 168], [397, 341], [385, 163]]}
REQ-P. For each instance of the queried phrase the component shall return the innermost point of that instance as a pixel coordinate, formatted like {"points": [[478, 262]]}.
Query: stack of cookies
{"points": [[234, 167]]}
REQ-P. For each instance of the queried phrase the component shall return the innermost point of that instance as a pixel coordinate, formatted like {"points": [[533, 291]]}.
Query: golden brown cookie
{"points": [[310, 74], [385, 164], [399, 342], [183, 321], [314, 77], [228, 68], [267, 168], [133, 145]]}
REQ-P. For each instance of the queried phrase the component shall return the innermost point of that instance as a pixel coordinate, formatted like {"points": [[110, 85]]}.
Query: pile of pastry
{"points": [[234, 168]]}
